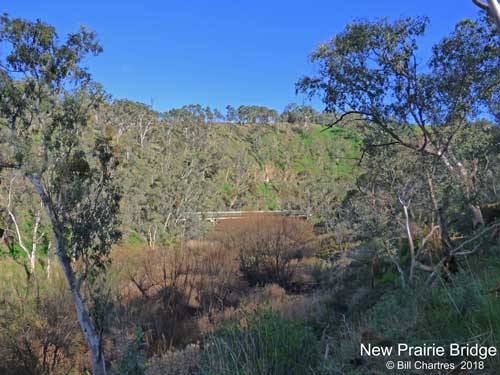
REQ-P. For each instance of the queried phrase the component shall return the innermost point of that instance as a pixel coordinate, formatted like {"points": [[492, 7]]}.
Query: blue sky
{"points": [[170, 53]]}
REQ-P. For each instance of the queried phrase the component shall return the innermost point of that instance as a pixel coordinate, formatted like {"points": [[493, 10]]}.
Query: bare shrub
{"points": [[165, 290], [218, 284], [38, 333], [176, 294], [158, 298], [269, 247]]}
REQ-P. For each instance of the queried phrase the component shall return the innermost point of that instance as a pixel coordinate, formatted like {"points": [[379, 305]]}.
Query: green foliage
{"points": [[176, 164], [262, 343], [214, 167], [134, 239], [389, 277], [464, 309], [46, 101], [265, 190], [132, 360]]}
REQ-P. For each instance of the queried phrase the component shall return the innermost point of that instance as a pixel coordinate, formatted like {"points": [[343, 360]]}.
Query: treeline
{"points": [[245, 114]]}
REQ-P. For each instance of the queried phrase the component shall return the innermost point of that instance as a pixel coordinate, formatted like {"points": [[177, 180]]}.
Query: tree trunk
{"points": [[494, 9], [467, 182], [49, 260], [86, 325], [477, 215], [34, 243], [410, 241]]}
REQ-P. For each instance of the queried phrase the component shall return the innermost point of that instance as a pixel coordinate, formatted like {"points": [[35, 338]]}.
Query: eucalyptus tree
{"points": [[136, 119], [371, 73], [25, 230], [231, 114], [252, 114], [395, 200], [190, 114], [295, 114], [218, 116], [45, 101], [168, 184]]}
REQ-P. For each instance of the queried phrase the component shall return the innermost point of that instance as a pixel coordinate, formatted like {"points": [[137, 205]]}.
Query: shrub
{"points": [[263, 343], [218, 284], [269, 248], [154, 291], [174, 362], [132, 360], [38, 329]]}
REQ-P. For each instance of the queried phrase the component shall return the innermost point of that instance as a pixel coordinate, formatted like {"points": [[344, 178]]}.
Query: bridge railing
{"points": [[228, 215]]}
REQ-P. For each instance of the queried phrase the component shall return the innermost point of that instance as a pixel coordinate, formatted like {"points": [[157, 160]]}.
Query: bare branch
{"points": [[9, 165], [424, 267], [424, 241], [481, 5], [14, 221], [456, 251]]}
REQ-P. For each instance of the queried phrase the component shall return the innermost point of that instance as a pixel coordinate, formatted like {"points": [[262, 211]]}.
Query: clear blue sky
{"points": [[217, 52]]}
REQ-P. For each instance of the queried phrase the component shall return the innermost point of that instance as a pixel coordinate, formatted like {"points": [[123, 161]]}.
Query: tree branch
{"points": [[343, 116], [13, 218], [481, 5], [9, 165]]}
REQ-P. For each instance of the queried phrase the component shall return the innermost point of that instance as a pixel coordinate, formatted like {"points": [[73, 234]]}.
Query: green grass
{"points": [[262, 343], [460, 310]]}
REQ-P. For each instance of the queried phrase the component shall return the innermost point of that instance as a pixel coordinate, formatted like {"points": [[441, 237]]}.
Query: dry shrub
{"points": [[270, 293], [158, 298], [218, 284], [166, 289], [275, 298], [39, 333], [269, 247], [174, 362], [177, 294], [207, 323]]}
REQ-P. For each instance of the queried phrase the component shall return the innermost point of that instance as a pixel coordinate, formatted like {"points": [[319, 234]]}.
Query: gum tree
{"points": [[24, 233], [372, 74], [46, 97]]}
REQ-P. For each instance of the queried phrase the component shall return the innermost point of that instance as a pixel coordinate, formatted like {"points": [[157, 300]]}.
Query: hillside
{"points": [[224, 166]]}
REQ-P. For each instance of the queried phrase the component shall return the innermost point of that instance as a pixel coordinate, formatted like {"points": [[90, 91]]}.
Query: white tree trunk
{"points": [[30, 254], [494, 9], [34, 242], [49, 260], [458, 169], [410, 240], [86, 325]]}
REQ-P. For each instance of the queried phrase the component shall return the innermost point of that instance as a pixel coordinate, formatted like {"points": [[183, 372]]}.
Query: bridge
{"points": [[215, 216]]}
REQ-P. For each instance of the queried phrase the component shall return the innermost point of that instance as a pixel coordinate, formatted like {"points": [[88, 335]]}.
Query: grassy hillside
{"points": [[208, 167]]}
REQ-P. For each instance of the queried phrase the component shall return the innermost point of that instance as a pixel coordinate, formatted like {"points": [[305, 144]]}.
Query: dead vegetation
{"points": [[174, 295]]}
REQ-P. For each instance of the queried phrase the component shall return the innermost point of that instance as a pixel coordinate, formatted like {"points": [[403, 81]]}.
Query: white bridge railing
{"points": [[214, 216]]}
